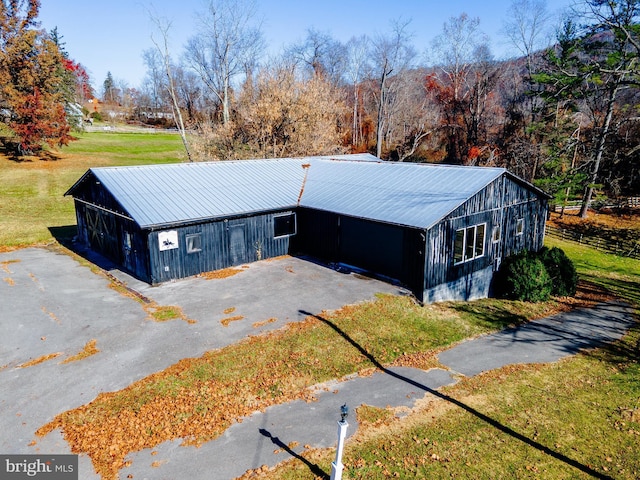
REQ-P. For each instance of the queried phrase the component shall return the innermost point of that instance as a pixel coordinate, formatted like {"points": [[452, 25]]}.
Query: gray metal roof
{"points": [[416, 195], [155, 195]]}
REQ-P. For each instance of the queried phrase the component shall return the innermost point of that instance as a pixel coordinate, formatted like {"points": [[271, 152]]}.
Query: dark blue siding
{"points": [[223, 243]]}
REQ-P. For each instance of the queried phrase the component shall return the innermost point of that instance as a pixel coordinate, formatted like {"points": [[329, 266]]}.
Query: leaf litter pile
{"points": [[197, 399]]}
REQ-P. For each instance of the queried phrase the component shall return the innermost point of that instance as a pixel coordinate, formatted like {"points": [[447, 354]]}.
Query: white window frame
{"points": [[188, 240], [470, 252], [496, 236], [520, 227], [295, 224]]}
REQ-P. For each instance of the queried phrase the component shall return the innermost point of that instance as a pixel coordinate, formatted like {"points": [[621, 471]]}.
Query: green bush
{"points": [[564, 278], [524, 277], [534, 277]]}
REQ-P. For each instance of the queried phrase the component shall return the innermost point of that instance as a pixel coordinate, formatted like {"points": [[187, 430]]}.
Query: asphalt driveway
{"points": [[53, 305]]}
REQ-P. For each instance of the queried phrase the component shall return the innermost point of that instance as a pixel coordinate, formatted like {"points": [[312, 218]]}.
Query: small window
{"points": [[284, 225], [520, 226], [479, 241], [469, 243], [496, 234], [458, 247], [194, 243]]}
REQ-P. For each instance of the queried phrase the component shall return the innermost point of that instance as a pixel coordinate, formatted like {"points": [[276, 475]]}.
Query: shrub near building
{"points": [[535, 276]]}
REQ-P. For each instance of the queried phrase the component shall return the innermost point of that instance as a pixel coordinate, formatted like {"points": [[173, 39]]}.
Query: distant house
{"points": [[439, 230]]}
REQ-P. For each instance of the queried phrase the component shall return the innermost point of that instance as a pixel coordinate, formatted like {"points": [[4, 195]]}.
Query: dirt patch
{"points": [[623, 226]]}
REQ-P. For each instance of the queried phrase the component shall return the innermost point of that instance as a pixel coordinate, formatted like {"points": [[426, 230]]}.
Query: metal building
{"points": [[439, 230]]}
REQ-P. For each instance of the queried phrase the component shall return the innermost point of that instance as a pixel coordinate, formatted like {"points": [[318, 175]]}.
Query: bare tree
{"points": [[356, 69], [416, 116], [155, 79], [457, 48], [391, 55], [461, 51], [227, 44], [526, 28], [163, 27], [612, 67], [322, 54]]}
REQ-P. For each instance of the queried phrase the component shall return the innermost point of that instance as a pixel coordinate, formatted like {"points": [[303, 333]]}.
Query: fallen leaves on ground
{"points": [[264, 322], [39, 360], [167, 406], [88, 350], [226, 321], [218, 274]]}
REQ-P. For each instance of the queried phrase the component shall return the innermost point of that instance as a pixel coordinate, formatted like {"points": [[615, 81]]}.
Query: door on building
{"points": [[237, 244], [101, 232]]}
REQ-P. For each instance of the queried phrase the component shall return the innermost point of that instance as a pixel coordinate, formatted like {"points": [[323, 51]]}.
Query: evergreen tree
{"points": [[109, 89], [590, 67]]}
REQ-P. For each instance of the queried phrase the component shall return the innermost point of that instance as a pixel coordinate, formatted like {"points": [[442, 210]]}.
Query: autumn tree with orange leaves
{"points": [[31, 71], [462, 86]]}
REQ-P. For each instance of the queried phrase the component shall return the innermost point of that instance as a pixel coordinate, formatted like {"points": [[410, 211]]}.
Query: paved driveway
{"points": [[51, 304]]}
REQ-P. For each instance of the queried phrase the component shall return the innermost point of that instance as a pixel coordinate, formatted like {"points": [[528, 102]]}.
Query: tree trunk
{"points": [[383, 81], [225, 102], [586, 201]]}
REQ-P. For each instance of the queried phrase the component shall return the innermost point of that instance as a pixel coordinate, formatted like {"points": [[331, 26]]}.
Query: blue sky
{"points": [[110, 36]]}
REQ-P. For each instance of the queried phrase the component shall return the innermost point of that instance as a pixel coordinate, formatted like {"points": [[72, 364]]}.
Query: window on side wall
{"points": [[194, 243], [284, 225], [520, 226], [469, 243], [496, 234]]}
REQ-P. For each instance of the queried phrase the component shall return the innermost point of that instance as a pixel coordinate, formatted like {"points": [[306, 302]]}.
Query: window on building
{"points": [[520, 226], [194, 243], [496, 234], [284, 225], [469, 243]]}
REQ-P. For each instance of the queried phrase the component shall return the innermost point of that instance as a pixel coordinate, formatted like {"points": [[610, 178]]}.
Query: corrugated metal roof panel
{"points": [[177, 193], [416, 195]]}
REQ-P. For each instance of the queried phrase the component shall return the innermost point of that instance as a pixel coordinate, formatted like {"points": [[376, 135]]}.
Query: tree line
{"points": [[563, 114]]}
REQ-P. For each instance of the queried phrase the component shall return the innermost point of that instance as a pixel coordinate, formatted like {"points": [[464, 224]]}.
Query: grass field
{"points": [[32, 190], [577, 418]]}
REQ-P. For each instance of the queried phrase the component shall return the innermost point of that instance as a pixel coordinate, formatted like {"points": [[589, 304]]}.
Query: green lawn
{"points": [[31, 192]]}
